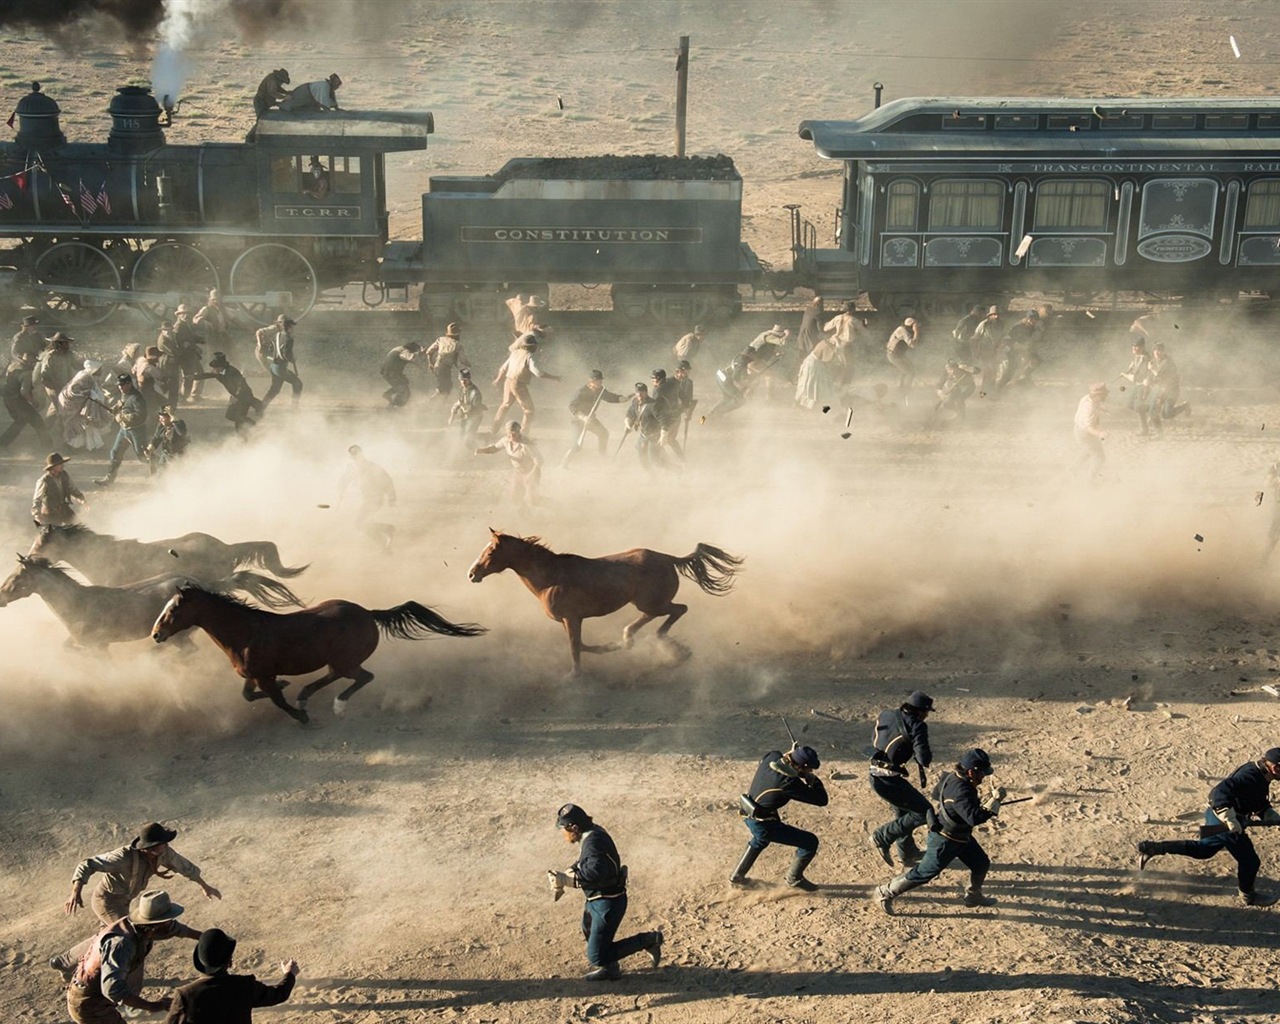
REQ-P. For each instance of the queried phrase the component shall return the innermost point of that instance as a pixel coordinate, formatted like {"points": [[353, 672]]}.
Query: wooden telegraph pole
{"points": [[682, 92]]}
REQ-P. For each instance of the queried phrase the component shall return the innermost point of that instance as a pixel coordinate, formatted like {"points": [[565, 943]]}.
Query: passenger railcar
{"points": [[948, 201]]}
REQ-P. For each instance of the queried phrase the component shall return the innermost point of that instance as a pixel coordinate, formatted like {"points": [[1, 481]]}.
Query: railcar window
{"points": [[1262, 212], [1017, 122], [904, 206], [285, 173], [1173, 122], [1120, 122], [1185, 205], [1271, 121], [1066, 122], [346, 174], [973, 122], [1072, 206], [1227, 122], [966, 205]]}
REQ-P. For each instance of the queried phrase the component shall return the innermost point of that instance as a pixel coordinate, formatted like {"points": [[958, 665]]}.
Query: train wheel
{"points": [[180, 272], [67, 267], [279, 279]]}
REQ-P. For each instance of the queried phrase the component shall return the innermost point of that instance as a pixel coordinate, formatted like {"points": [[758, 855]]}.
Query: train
{"points": [[943, 203]]}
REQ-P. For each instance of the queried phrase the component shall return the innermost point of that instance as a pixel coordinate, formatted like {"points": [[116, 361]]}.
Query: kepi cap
{"points": [[571, 815], [806, 757]]}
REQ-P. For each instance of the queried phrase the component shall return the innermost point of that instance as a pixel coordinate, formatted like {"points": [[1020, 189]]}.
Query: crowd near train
{"points": [[942, 203]]}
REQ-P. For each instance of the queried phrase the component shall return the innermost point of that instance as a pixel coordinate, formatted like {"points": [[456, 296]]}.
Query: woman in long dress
{"points": [[816, 383]]}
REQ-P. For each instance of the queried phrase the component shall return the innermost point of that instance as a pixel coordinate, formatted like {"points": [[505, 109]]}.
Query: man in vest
{"points": [[111, 972]]}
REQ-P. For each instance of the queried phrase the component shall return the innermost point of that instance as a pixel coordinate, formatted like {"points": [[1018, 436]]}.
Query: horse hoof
{"points": [[302, 705], [339, 706], [303, 718]]}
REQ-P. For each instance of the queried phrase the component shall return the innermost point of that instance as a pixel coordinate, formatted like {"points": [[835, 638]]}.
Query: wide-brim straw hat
{"points": [[155, 907]]}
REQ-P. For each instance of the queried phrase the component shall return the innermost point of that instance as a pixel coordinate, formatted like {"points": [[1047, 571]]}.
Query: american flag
{"points": [[104, 203], [88, 202], [5, 202]]}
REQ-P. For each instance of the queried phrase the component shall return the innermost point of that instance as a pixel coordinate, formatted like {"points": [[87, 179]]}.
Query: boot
{"points": [[886, 893], [1146, 850], [62, 964], [1256, 899], [610, 972], [881, 848], [655, 948], [109, 479], [739, 876], [973, 897], [795, 877]]}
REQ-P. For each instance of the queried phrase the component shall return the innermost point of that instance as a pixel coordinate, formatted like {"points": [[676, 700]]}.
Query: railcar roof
{"points": [[390, 131], [1043, 126]]}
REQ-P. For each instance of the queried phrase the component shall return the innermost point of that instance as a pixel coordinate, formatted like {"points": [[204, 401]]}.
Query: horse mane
{"points": [[533, 540], [79, 530], [221, 598], [37, 562]]}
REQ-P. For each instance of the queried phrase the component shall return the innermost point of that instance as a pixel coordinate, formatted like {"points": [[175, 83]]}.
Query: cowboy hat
{"points": [[54, 459], [453, 330], [155, 907], [213, 951], [154, 834], [27, 321]]}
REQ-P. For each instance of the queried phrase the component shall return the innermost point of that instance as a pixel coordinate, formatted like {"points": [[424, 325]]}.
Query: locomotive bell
{"points": [[135, 121], [38, 121]]}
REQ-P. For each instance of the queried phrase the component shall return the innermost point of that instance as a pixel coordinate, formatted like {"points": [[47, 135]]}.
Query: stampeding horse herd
{"points": [[132, 593]]}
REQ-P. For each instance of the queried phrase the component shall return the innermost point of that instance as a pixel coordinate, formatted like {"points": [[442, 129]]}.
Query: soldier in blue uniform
{"points": [[959, 811], [602, 877], [779, 779], [901, 736], [1239, 800]]}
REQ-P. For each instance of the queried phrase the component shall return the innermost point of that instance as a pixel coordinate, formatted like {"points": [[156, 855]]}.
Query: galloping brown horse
{"points": [[572, 588], [262, 646], [115, 561]]}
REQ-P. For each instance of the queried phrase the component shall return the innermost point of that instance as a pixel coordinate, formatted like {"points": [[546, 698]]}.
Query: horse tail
{"points": [[413, 621], [265, 555], [709, 567], [263, 589]]}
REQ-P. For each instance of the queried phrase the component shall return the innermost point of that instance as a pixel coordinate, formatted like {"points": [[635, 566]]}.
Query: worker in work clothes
{"points": [[393, 368], [469, 409], [1235, 803], [125, 873], [602, 877], [445, 357], [110, 974], [960, 809], [51, 504], [901, 736], [514, 375], [779, 779]]}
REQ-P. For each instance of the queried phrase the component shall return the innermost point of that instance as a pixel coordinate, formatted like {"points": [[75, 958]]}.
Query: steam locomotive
{"points": [[944, 202]]}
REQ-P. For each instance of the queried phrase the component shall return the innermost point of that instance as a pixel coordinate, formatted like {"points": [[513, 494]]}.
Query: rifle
{"points": [[684, 440], [625, 433], [1016, 800], [582, 434], [790, 735]]}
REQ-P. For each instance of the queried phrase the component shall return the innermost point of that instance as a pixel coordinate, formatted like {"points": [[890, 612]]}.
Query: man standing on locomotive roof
{"points": [[1238, 801], [321, 95], [584, 406], [514, 375], [29, 339], [959, 811], [51, 505], [779, 779], [602, 877], [281, 363], [901, 736]]}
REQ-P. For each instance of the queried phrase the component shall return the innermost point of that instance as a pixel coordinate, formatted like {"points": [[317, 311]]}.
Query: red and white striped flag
{"points": [[5, 202], [104, 201], [88, 203]]}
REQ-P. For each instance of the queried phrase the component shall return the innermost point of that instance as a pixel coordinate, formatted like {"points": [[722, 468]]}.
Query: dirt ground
{"points": [[1108, 645]]}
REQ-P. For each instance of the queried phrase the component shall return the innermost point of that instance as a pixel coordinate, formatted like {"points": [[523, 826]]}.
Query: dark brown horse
{"points": [[97, 616], [572, 588], [262, 646], [114, 561]]}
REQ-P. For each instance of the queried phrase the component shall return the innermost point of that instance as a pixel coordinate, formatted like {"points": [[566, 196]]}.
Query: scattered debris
{"points": [[1199, 539], [1235, 47]]}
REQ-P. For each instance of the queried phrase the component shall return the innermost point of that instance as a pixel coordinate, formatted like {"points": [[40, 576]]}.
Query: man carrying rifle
{"points": [[1238, 801], [960, 810], [779, 779], [901, 736]]}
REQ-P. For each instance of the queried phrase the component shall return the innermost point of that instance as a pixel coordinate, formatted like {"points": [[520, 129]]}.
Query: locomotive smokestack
{"points": [[135, 121], [38, 121]]}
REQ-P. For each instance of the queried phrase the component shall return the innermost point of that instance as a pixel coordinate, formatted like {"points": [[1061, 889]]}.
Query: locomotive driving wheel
{"points": [[62, 271], [182, 272], [281, 279]]}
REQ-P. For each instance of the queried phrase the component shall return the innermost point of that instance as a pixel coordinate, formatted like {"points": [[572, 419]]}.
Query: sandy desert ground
{"points": [[1111, 662]]}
